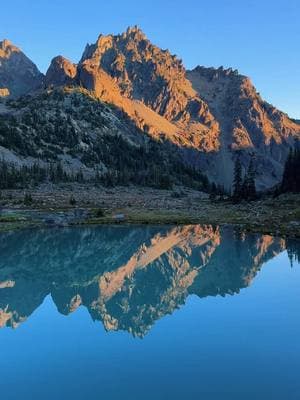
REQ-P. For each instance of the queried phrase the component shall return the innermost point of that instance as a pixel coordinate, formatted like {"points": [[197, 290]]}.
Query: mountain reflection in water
{"points": [[127, 277]]}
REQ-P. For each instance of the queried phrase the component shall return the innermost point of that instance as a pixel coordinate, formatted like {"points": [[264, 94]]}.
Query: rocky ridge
{"points": [[18, 74], [211, 115]]}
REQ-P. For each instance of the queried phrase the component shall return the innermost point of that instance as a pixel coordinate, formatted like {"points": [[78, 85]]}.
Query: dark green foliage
{"points": [[13, 177], [237, 180], [72, 201], [217, 191], [293, 250], [153, 164], [99, 213], [244, 189], [291, 175], [57, 174], [58, 124], [248, 187], [28, 199]]}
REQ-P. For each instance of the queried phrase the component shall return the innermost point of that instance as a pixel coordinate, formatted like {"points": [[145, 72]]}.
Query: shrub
{"points": [[100, 213], [27, 199], [72, 201]]}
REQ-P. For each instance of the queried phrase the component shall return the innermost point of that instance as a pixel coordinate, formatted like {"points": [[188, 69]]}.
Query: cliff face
{"points": [[141, 72], [61, 72], [18, 75], [210, 115], [248, 124], [126, 277], [215, 113]]}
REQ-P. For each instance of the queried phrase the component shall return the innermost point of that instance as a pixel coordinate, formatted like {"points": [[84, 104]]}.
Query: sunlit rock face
{"points": [[249, 125], [127, 278], [209, 116], [18, 74], [4, 92], [129, 66], [61, 72]]}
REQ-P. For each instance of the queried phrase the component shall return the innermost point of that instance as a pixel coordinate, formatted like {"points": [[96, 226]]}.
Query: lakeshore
{"points": [[83, 205]]}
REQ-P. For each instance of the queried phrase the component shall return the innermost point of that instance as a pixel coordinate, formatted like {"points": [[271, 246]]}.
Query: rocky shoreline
{"points": [[75, 205]]}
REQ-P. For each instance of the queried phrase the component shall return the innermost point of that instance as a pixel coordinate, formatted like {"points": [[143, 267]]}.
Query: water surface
{"points": [[149, 313]]}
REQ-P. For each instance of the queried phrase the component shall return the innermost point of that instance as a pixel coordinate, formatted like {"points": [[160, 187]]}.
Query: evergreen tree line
{"points": [[13, 177], [291, 174], [293, 250], [217, 190], [150, 164], [161, 177], [243, 187], [135, 159]]}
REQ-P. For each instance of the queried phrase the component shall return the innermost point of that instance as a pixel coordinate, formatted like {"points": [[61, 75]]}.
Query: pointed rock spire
{"points": [[18, 74], [61, 72]]}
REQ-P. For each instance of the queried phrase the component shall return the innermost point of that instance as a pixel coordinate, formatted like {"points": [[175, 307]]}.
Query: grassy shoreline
{"points": [[275, 216], [135, 217]]}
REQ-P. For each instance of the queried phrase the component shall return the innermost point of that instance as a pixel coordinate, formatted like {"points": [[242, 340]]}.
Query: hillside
{"points": [[207, 117], [68, 135], [18, 74]]}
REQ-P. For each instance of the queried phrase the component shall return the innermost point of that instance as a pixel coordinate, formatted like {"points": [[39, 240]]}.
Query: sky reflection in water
{"points": [[217, 311]]}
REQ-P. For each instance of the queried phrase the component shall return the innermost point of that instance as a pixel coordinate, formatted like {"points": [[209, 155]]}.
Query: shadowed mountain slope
{"points": [[18, 74]]}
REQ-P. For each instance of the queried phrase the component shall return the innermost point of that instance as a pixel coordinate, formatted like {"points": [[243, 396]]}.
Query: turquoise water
{"points": [[149, 313]]}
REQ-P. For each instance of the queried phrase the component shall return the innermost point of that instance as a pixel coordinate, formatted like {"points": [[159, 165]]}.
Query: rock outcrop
{"points": [[211, 116], [248, 124], [61, 72], [18, 74], [129, 66], [4, 92]]}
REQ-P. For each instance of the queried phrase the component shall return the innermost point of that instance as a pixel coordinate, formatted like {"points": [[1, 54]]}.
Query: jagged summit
{"points": [[5, 43], [7, 48], [18, 74], [210, 115], [140, 71], [249, 125], [60, 72], [133, 30]]}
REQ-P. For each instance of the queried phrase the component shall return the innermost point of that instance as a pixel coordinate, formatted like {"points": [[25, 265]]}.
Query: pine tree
{"points": [[293, 250], [291, 177], [287, 183], [248, 187], [237, 180]]}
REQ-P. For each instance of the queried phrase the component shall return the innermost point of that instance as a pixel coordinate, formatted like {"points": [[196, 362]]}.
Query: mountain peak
{"points": [[140, 71], [7, 47], [5, 43], [209, 114], [134, 32], [61, 72], [18, 74]]}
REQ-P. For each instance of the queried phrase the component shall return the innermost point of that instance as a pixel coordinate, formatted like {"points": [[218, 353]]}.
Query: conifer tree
{"points": [[286, 182], [237, 180], [248, 187], [291, 177]]}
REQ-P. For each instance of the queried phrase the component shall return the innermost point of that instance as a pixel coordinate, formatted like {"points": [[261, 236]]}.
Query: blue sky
{"points": [[259, 38]]}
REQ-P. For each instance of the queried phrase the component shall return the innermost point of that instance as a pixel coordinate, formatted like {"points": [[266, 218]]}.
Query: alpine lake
{"points": [[149, 312]]}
